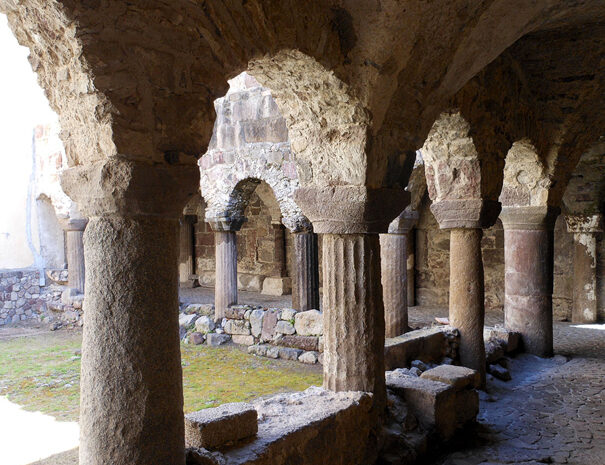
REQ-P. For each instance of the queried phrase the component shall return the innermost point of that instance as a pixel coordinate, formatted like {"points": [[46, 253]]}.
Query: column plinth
{"points": [[528, 278], [585, 230], [305, 290]]}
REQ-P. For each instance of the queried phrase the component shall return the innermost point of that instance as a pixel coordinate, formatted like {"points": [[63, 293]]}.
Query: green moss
{"points": [[42, 373]]}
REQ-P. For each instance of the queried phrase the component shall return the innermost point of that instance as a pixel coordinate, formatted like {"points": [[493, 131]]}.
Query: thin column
{"points": [[528, 279], [187, 254], [353, 314], [467, 307], [225, 288], [585, 230], [74, 232], [305, 292], [394, 268]]}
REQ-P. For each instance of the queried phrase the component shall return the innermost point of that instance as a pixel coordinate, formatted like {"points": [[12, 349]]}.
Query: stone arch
{"points": [[250, 144]]}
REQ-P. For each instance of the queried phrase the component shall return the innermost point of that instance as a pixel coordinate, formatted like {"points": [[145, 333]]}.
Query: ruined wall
{"points": [[432, 262]]}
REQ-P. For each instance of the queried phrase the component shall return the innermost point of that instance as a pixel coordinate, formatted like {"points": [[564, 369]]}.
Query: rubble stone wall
{"points": [[22, 298]]}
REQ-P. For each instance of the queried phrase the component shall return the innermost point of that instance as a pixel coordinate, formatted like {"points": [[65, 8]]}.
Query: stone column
{"points": [[131, 404], [466, 220], [393, 265], [74, 232], [225, 243], [585, 230], [528, 275], [350, 218], [186, 254], [305, 292], [411, 273]]}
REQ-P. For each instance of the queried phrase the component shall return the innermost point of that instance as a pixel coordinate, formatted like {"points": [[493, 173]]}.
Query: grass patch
{"points": [[42, 373]]}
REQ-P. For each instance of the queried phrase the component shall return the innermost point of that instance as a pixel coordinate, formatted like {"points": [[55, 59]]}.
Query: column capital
{"points": [[466, 213], [404, 222], [73, 224], [117, 186], [225, 224], [351, 209], [529, 218], [584, 223]]}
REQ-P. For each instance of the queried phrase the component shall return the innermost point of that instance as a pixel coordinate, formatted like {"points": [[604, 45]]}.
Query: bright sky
{"points": [[22, 107]]}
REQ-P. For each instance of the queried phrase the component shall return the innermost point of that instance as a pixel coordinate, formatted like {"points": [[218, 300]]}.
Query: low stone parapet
{"points": [[430, 345]]}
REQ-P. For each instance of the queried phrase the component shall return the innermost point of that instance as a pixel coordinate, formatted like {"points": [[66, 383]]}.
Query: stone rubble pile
{"points": [[500, 343]]}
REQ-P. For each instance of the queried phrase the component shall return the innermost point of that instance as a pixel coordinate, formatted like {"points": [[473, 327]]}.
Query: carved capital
{"points": [[584, 223], [232, 223], [529, 218], [466, 213], [117, 186], [351, 209], [404, 222]]}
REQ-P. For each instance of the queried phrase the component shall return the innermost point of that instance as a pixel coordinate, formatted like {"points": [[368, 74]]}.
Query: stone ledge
{"points": [[428, 345], [458, 377], [214, 427]]}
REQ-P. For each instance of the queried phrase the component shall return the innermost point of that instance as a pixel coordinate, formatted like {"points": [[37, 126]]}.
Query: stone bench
{"points": [[429, 345], [443, 399]]}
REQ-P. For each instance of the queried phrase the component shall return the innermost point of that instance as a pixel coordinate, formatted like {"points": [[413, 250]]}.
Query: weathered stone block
{"points": [[187, 320], [196, 338], [309, 343], [205, 324], [432, 402], [215, 339], [242, 339], [308, 357], [309, 323], [459, 377], [256, 322], [277, 286], [214, 427], [236, 312], [270, 319], [284, 327], [428, 345], [288, 353], [237, 327], [288, 314]]}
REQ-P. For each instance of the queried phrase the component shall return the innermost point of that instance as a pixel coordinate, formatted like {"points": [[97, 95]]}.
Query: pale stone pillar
{"points": [[131, 405], [585, 229], [225, 243], [411, 265], [394, 267], [350, 218], [305, 292], [74, 232], [466, 220], [528, 275], [186, 250]]}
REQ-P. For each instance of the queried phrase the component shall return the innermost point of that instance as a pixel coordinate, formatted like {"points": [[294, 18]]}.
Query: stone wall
{"points": [[264, 248], [23, 298], [432, 266]]}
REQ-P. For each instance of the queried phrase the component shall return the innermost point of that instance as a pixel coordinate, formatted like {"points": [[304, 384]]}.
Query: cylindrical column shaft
{"points": [[225, 290], [186, 246], [305, 292], [393, 265], [528, 284], [353, 315], [131, 408], [75, 259], [584, 308], [467, 307], [411, 267]]}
